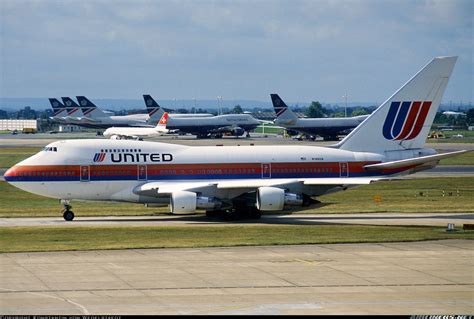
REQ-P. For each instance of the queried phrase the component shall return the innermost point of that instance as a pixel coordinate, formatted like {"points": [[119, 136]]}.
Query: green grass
{"points": [[22, 239], [463, 159], [396, 196], [403, 196]]}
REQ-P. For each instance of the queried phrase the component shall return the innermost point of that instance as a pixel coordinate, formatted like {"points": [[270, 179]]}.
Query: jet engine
{"points": [[188, 202], [237, 131], [273, 198]]}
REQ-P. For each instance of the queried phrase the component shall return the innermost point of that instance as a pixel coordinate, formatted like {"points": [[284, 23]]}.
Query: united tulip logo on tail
{"points": [[405, 120]]}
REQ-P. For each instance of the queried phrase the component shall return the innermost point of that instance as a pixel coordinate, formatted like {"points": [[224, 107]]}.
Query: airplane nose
{"points": [[10, 174]]}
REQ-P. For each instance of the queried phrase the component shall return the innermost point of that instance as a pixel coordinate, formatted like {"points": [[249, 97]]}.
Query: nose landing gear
{"points": [[68, 214]]}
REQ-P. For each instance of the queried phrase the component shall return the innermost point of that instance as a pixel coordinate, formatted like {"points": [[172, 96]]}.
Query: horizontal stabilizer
{"points": [[412, 161]]}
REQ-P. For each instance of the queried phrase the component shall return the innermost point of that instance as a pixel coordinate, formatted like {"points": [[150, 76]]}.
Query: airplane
{"points": [[138, 133], [214, 126], [242, 181], [452, 113], [156, 111], [328, 128], [59, 111], [99, 119]]}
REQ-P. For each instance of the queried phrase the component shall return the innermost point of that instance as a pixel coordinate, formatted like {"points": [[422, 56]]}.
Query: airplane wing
{"points": [[157, 189], [412, 161]]}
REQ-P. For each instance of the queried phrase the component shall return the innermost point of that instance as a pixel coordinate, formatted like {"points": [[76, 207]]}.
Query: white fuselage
{"points": [[112, 169]]}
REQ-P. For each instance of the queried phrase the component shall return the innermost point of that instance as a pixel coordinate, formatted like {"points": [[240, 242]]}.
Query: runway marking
{"points": [[42, 294], [9, 291]]}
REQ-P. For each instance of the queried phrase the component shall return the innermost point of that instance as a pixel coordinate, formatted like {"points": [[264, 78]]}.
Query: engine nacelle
{"points": [[237, 131], [115, 137], [188, 202], [183, 202], [273, 198]]}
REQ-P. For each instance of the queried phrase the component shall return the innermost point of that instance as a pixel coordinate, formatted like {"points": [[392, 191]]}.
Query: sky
{"points": [[302, 50]]}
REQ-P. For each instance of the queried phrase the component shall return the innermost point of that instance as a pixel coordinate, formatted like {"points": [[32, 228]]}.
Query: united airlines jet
{"points": [[237, 181]]}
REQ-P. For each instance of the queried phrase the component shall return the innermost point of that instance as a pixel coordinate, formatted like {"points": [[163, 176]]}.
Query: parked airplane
{"points": [[59, 111], [452, 113], [328, 128], [214, 126], [138, 133], [100, 119], [155, 110], [244, 180]]}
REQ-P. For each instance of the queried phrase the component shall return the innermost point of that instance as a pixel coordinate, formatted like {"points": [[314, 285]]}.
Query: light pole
{"points": [[345, 108], [219, 98]]}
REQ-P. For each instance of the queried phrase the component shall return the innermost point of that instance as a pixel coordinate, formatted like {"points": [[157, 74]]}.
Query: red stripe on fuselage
{"points": [[187, 169]]}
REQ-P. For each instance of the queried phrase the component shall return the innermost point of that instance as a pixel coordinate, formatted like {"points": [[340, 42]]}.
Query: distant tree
{"points": [[316, 110], [470, 116], [237, 109], [3, 114], [359, 111]]}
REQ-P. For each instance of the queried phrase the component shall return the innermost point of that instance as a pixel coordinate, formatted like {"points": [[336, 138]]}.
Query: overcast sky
{"points": [[303, 50]]}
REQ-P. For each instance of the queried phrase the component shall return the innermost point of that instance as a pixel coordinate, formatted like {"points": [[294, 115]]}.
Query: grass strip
{"points": [[29, 239]]}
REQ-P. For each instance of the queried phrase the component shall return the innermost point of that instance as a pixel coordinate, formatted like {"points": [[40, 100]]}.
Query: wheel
{"points": [[68, 215], [254, 213]]}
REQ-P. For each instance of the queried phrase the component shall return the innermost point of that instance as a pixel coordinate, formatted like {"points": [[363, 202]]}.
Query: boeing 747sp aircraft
{"points": [[238, 181]]}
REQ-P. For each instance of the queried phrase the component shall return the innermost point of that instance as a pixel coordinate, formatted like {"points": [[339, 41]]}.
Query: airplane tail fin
{"points": [[403, 121], [161, 126], [57, 106], [89, 109], [284, 115], [73, 109], [155, 112]]}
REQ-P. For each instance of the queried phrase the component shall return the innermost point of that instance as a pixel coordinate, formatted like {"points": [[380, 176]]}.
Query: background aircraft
{"points": [[59, 111], [156, 112], [100, 119], [328, 128], [138, 133], [214, 126]]}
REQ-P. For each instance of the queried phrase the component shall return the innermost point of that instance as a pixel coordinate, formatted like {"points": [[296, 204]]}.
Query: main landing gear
{"points": [[68, 214]]}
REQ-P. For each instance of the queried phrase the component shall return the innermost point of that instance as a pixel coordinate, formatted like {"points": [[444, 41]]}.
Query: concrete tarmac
{"points": [[434, 277], [392, 219]]}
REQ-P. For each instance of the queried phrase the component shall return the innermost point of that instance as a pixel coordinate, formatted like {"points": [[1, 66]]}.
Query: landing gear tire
{"points": [[68, 215]]}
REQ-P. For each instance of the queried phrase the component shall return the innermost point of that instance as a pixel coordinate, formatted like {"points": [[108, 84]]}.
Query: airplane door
{"points": [[343, 170], [142, 172], [266, 170], [85, 173]]}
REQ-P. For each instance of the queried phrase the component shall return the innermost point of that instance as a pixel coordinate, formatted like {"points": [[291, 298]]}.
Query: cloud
{"points": [[238, 49]]}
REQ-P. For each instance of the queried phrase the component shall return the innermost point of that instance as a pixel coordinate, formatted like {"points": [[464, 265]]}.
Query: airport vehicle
{"points": [[155, 111], [138, 133], [328, 128], [237, 181]]}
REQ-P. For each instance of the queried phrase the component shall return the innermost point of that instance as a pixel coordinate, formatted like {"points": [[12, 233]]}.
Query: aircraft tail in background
{"points": [[89, 109], [283, 113], [59, 110]]}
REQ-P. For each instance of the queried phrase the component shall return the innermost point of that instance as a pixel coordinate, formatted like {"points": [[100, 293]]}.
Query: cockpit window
{"points": [[50, 149]]}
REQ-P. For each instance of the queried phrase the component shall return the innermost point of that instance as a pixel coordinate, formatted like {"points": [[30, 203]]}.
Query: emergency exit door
{"points": [[85, 174], [344, 169], [266, 170]]}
